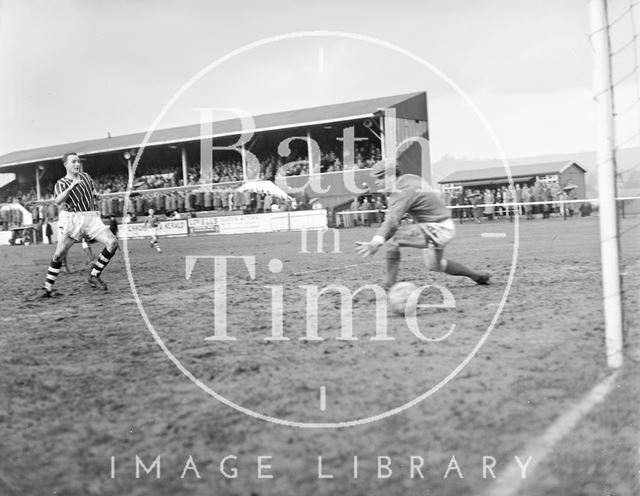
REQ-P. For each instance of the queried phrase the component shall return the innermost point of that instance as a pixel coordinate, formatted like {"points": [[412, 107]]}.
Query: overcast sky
{"points": [[75, 70]]}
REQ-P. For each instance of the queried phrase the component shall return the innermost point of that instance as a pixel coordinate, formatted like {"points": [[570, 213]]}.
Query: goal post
{"points": [[609, 234]]}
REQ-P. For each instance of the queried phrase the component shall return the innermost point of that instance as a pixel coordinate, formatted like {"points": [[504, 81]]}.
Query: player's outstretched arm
{"points": [[368, 248]]}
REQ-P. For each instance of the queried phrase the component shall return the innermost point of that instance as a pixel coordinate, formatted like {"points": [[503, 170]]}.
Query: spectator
{"points": [[366, 207], [498, 202], [585, 209], [507, 197], [546, 198], [527, 198], [475, 199], [355, 207], [268, 201], [489, 206], [379, 207], [518, 197]]}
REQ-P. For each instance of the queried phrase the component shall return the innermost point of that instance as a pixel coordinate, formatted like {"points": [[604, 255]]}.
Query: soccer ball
{"points": [[398, 296]]}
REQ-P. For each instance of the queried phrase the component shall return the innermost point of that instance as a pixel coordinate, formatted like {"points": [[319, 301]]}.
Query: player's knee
{"points": [[59, 254], [113, 245]]}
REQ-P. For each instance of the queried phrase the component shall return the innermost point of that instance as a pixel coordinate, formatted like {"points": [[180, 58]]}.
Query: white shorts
{"points": [[153, 232], [77, 225], [435, 235], [440, 232]]}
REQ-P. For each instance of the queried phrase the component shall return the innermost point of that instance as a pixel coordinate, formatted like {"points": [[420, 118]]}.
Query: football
{"points": [[398, 296]]}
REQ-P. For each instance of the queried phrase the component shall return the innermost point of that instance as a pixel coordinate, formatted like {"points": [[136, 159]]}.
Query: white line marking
{"points": [[494, 235], [509, 481], [328, 269], [323, 398], [321, 60]]}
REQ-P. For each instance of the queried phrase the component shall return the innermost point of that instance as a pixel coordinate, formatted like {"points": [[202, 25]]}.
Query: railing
{"points": [[347, 216]]}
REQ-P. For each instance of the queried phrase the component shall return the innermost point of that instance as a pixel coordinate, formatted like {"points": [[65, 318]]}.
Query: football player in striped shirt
{"points": [[75, 196]]}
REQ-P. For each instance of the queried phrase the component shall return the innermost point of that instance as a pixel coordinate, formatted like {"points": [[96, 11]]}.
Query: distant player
{"points": [[431, 233], [75, 195], [151, 222]]}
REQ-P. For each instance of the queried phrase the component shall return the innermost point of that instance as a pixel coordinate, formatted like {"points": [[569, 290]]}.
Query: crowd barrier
{"points": [[232, 224], [227, 224], [628, 205]]}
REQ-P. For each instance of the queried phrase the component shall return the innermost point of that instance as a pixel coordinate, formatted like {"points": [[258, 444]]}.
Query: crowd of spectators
{"points": [[473, 204], [364, 210], [489, 203], [332, 159], [476, 203], [221, 199], [228, 172], [228, 198], [224, 171], [14, 193]]}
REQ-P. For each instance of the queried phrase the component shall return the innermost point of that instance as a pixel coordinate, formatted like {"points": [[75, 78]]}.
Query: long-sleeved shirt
{"points": [[413, 196]]}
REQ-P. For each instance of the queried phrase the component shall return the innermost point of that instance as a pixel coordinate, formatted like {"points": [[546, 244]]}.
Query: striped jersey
{"points": [[81, 197]]}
